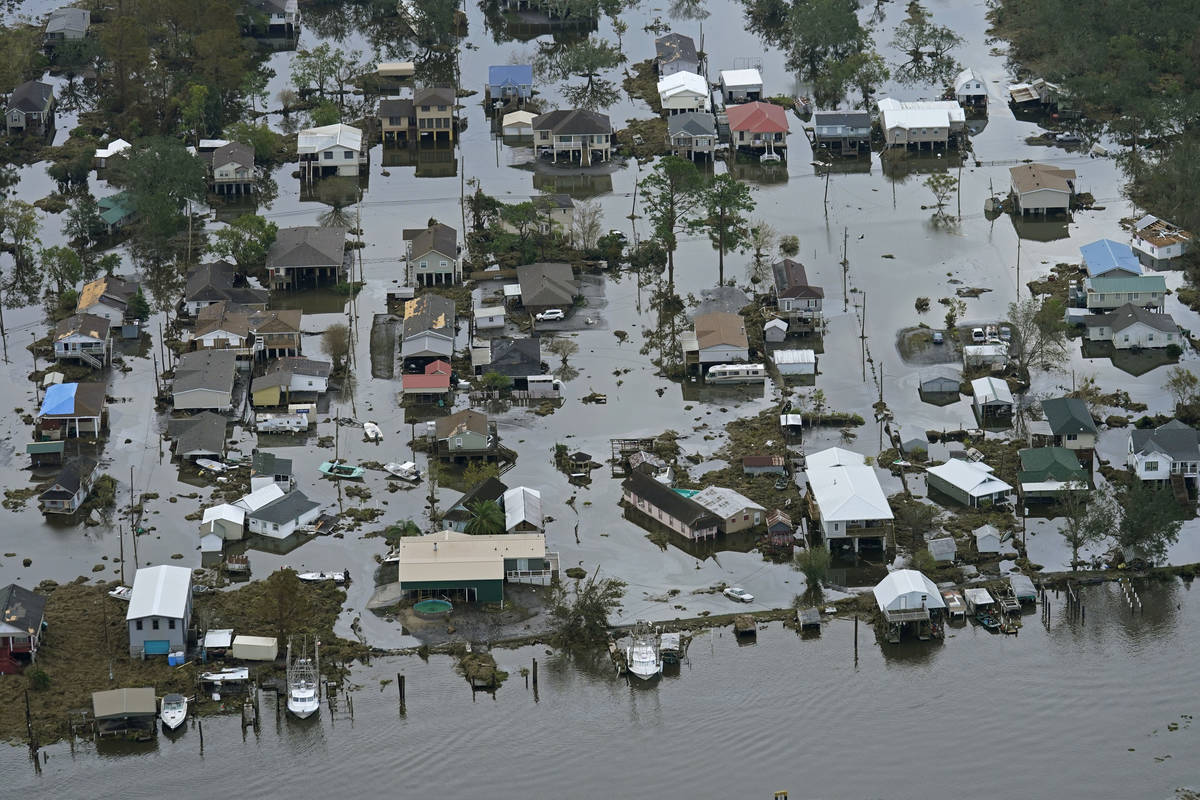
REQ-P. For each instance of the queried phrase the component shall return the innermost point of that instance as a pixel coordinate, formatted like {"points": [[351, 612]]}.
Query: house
{"points": [[775, 330], [764, 465], [306, 255], [969, 90], [230, 168], [113, 148], [667, 507], [331, 150], [434, 111], [258, 498], [992, 356], [781, 531], [1133, 327], [577, 134], [993, 400], [277, 334], [72, 410], [795, 362], [556, 213], [652, 465], [432, 255], [106, 297], [510, 83], [430, 385], [1159, 239], [69, 488], [204, 380], [682, 92], [517, 125], [465, 433], [989, 540], [46, 454], [795, 298], [266, 468], [83, 337], [846, 500], [920, 123], [1170, 452], [283, 516], [757, 126], [516, 358], [1109, 293], [199, 436], [719, 338], [22, 620], [939, 387], [275, 16], [468, 568], [691, 134], [397, 118], [1069, 424], [30, 108], [969, 483], [843, 132], [1105, 257], [1038, 90], [488, 318], [545, 286], [1047, 473], [1041, 188], [68, 24], [943, 550], [490, 490], [220, 282], [675, 53], [290, 379], [905, 596], [740, 86], [428, 329], [523, 510], [734, 512], [224, 520], [263, 334], [160, 610], [116, 212]]}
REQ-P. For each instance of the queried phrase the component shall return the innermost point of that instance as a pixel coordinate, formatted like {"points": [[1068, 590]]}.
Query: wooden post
{"points": [[535, 673], [400, 681], [121, 549], [856, 639], [200, 730]]}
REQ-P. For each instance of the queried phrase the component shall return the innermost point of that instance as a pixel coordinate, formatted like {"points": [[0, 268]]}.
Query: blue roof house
{"points": [[510, 82], [1108, 258]]}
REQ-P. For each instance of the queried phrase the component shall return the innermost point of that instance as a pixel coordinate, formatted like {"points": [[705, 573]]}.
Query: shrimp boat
{"points": [[736, 373], [643, 657], [173, 711], [303, 698]]}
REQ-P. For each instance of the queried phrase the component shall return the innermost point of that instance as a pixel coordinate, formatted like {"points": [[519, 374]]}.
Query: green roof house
{"points": [[1048, 472]]}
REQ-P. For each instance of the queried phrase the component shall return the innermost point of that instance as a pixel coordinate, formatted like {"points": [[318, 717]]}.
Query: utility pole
{"points": [[845, 269], [863, 336]]}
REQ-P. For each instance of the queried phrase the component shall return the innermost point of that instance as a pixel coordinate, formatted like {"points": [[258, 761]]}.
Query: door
{"points": [[157, 647]]}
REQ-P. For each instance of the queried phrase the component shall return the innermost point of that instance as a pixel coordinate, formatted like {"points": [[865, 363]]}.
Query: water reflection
{"points": [[1041, 229], [579, 185]]}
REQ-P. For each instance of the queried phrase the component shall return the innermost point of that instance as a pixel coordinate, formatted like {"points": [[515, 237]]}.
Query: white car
{"points": [[740, 594], [551, 315]]}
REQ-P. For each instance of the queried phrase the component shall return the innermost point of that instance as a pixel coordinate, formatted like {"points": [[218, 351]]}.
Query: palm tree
{"points": [[487, 517]]}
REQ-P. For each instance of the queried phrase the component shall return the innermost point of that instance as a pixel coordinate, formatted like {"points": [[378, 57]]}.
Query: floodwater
{"points": [[1102, 708]]}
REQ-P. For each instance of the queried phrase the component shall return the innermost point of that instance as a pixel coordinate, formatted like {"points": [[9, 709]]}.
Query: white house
{"points": [[969, 89], [1133, 327], [993, 356], [1159, 239], [331, 150], [83, 337], [523, 510], [741, 86], [920, 123], [224, 520], [968, 482], [1041, 188], [846, 498], [719, 338], [681, 92], [1166, 451], [160, 610], [906, 595], [259, 497], [517, 124], [795, 362], [283, 516], [992, 398]]}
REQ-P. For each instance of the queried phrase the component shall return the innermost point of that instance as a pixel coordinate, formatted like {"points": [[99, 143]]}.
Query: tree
{"points": [[955, 308], [586, 225], [789, 245], [483, 208], [671, 195], [927, 46], [324, 113], [335, 343], [725, 201], [266, 143], [194, 111], [813, 562], [314, 70], [487, 517], [915, 517], [138, 308], [867, 71], [579, 616], [1183, 385], [587, 59], [824, 34], [1087, 518], [1150, 521], [83, 226], [563, 348], [282, 602], [1038, 335], [943, 185], [246, 240], [761, 241], [19, 229], [477, 472], [522, 218], [162, 177], [62, 266], [495, 381]]}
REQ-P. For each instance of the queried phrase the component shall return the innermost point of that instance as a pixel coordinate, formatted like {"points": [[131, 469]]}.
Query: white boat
{"points": [[372, 432], [210, 465], [173, 711], [643, 657], [407, 470], [320, 577], [303, 698], [227, 675], [736, 373], [121, 593]]}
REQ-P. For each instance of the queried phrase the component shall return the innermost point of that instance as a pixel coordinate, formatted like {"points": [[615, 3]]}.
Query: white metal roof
{"points": [[489, 312], [221, 637], [991, 390], [314, 140], [212, 144], [794, 357], [741, 77], [776, 323], [789, 420], [112, 148], [954, 112], [984, 532], [848, 493], [224, 512], [724, 502], [453, 556], [834, 457], [973, 477], [966, 76], [907, 589], [984, 350], [161, 591], [522, 504], [978, 596], [682, 82], [524, 118], [261, 497], [512, 290]]}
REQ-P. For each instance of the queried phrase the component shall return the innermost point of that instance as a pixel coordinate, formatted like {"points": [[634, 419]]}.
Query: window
{"points": [[1072, 437], [154, 624], [171, 624], [441, 108], [138, 624], [348, 154], [1151, 339], [458, 441], [1150, 466], [328, 154]]}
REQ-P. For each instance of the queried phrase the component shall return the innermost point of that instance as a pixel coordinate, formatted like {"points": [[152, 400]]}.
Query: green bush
{"points": [[38, 679], [1174, 351]]}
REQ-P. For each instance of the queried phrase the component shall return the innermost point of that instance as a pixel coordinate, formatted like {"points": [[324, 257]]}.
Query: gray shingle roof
{"points": [[213, 282], [1176, 439], [1130, 314], [266, 463], [547, 284], [69, 20], [665, 498], [233, 153], [674, 47], [433, 313], [30, 97], [516, 358], [434, 96], [396, 107], [209, 369], [22, 608], [490, 489], [792, 281], [849, 119], [285, 509], [308, 246], [692, 123], [572, 121], [202, 433], [437, 238], [69, 479]]}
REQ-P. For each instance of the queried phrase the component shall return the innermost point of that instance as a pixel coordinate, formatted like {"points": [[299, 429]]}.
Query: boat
{"points": [[371, 432], [670, 647], [736, 373], [340, 469], [210, 465], [226, 675], [173, 711], [121, 593], [643, 656], [237, 563], [781, 483], [321, 577], [303, 693], [406, 470]]}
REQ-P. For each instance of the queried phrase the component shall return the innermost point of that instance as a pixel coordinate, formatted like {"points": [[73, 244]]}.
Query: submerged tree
{"points": [[246, 240], [726, 202], [282, 602], [19, 228], [761, 242], [335, 343], [927, 46], [813, 562], [672, 194], [1150, 520], [1088, 518], [1039, 336], [942, 185], [588, 60], [824, 36], [579, 615]]}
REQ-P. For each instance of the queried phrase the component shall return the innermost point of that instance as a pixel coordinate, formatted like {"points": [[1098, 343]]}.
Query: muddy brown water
{"points": [[1053, 689]]}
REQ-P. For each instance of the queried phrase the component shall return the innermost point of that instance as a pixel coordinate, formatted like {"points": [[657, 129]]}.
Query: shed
{"points": [[764, 465], [993, 356], [121, 710], [224, 520], [523, 510], [943, 550], [940, 385], [993, 399], [988, 539], [517, 124], [775, 330], [218, 640], [1023, 588], [795, 362], [489, 317], [255, 648], [970, 483], [906, 595]]}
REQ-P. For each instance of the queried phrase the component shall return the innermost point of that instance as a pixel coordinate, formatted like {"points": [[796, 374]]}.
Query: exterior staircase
{"points": [[90, 360], [1179, 486]]}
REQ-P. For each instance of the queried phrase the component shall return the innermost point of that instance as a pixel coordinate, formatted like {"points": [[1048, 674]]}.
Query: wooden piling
{"points": [[856, 639], [400, 681], [535, 673], [200, 730]]}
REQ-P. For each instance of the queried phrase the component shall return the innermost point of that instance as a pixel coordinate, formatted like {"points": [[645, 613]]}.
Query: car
{"points": [[1005, 333], [977, 335], [938, 338], [616, 233], [739, 594], [1068, 138], [550, 315]]}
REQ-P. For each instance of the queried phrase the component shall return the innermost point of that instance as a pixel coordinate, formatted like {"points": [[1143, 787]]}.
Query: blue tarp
{"points": [[514, 75], [1104, 256], [60, 399]]}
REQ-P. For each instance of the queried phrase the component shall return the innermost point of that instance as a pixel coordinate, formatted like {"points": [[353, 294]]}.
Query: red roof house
{"points": [[757, 124], [435, 381]]}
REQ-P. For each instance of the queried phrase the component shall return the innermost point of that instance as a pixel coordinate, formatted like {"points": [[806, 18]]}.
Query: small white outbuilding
{"points": [[906, 595]]}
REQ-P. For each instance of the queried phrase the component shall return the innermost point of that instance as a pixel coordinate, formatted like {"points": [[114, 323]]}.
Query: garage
{"points": [[157, 647]]}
